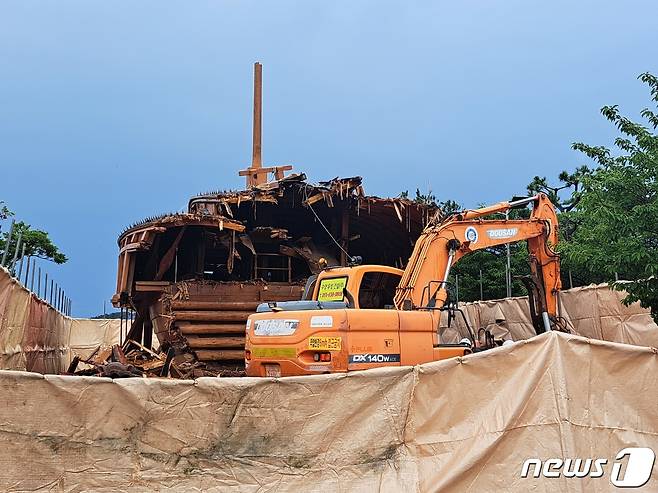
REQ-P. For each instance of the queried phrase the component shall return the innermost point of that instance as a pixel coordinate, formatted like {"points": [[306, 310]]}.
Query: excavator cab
{"points": [[362, 286]]}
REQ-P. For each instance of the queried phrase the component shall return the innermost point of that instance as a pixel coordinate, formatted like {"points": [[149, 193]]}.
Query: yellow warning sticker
{"points": [[273, 352], [332, 289], [324, 343]]}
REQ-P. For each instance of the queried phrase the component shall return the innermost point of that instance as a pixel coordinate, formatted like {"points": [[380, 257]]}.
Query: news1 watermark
{"points": [[639, 463]]}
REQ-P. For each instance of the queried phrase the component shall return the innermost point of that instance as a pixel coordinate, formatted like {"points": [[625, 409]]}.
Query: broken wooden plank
{"points": [[74, 364], [103, 355], [165, 368], [151, 286], [140, 346], [314, 198], [118, 355], [168, 257], [150, 365]]}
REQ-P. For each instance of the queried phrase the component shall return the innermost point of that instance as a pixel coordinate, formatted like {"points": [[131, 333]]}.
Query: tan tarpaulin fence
{"points": [[464, 424], [36, 337], [592, 311]]}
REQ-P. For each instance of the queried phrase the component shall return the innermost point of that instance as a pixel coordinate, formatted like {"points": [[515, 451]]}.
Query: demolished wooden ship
{"points": [[193, 278]]}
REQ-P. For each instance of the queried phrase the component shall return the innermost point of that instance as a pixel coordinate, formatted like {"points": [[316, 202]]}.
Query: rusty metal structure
{"points": [[193, 278]]}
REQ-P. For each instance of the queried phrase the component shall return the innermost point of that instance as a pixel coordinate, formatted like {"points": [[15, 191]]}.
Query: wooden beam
{"points": [[151, 286], [168, 258], [189, 328], [211, 316], [220, 355], [216, 342], [214, 305]]}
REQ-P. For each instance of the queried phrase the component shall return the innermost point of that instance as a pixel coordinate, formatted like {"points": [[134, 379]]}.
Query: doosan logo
{"points": [[638, 467], [501, 234]]}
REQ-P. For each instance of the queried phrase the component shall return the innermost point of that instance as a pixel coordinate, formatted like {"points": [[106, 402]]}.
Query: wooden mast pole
{"points": [[256, 159], [256, 174]]}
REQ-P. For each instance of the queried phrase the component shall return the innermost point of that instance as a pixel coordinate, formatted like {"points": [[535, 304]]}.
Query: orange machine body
{"points": [[301, 342], [370, 316]]}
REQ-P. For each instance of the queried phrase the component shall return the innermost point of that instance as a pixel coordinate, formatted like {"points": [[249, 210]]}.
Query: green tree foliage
{"points": [[429, 199], [569, 184], [616, 231], [112, 315], [426, 199], [4, 211], [37, 243]]}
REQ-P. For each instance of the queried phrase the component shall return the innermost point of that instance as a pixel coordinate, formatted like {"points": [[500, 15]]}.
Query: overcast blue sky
{"points": [[115, 110]]}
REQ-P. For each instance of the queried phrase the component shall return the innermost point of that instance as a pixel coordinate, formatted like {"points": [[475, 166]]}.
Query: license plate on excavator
{"points": [[272, 371]]}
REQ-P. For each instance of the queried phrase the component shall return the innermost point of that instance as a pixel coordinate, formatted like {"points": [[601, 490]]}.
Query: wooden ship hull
{"points": [[193, 278]]}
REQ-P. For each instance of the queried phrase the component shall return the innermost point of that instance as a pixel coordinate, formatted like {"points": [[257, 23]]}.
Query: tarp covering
{"points": [[593, 311], [464, 424], [36, 337]]}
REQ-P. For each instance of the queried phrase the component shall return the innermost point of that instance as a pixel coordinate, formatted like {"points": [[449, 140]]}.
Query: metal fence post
{"points": [[20, 266], [11, 232], [16, 249], [27, 269]]}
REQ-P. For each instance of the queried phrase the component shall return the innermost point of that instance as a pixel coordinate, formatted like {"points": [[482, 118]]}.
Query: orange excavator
{"points": [[366, 316]]}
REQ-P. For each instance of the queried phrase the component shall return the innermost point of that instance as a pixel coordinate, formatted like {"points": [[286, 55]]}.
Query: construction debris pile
{"points": [[115, 362], [133, 359]]}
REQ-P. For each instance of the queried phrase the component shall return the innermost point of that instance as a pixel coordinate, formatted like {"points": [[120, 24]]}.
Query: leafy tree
{"points": [[569, 182], [112, 315], [426, 199], [4, 211], [616, 231], [449, 206], [37, 243], [429, 199]]}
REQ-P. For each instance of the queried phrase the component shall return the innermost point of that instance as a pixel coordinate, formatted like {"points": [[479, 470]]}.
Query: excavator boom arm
{"points": [[441, 245]]}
